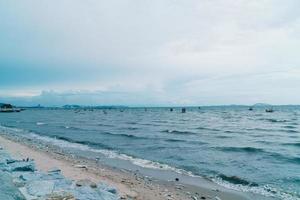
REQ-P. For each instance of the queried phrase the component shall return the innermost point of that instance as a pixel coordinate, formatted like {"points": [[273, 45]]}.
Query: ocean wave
{"points": [[265, 190], [178, 132], [296, 144], [253, 150], [290, 127], [83, 146], [273, 120], [290, 131], [105, 125], [124, 135], [10, 129], [295, 160], [161, 121], [131, 128], [40, 123], [283, 158], [208, 129], [223, 136], [89, 143], [132, 123], [195, 142], [241, 149], [105, 133], [66, 143], [236, 180], [261, 129], [72, 128], [174, 140], [229, 131]]}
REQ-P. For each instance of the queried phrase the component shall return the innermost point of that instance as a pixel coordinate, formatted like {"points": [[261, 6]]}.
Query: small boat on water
{"points": [[270, 110]]}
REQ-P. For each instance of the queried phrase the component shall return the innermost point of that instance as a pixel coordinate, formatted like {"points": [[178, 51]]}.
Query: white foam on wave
{"points": [[40, 123], [9, 129], [266, 190], [109, 154]]}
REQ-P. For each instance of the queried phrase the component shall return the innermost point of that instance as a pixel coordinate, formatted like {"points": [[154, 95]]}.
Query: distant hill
{"points": [[5, 105], [262, 104], [95, 107], [71, 106]]}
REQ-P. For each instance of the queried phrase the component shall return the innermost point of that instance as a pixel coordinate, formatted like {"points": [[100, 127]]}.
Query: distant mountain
{"points": [[71, 106], [262, 104], [95, 107]]}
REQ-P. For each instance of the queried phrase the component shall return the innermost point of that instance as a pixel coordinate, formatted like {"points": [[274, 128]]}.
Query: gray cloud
{"points": [[181, 52]]}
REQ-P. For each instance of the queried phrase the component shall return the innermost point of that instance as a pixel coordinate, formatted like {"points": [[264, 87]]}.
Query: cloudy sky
{"points": [[151, 52]]}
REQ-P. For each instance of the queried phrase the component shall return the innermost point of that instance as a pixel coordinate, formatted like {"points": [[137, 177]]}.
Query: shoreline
{"points": [[130, 184]]}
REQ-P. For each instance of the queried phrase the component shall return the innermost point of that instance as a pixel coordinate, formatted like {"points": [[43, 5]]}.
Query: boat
{"points": [[270, 110]]}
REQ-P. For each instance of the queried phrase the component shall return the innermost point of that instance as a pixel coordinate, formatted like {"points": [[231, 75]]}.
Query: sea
{"points": [[246, 150]]}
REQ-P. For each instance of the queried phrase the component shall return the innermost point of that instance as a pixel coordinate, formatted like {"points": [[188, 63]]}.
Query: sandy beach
{"points": [[130, 185]]}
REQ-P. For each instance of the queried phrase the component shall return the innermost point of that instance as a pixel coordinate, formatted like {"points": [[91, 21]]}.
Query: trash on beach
{"points": [[81, 166]]}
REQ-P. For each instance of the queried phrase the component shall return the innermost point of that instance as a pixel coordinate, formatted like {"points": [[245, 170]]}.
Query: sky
{"points": [[151, 52]]}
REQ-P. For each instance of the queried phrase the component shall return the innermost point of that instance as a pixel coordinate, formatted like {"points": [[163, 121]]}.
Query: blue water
{"points": [[252, 150]]}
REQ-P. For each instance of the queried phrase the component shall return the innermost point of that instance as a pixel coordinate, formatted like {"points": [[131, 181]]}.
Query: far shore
{"points": [[129, 185]]}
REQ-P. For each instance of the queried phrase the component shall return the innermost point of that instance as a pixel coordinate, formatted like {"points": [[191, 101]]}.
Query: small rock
{"points": [[178, 187], [112, 190], [176, 179], [86, 182], [22, 166], [217, 198], [93, 185]]}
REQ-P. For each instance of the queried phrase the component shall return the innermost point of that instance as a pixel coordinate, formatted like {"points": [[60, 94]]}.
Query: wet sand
{"points": [[130, 185]]}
